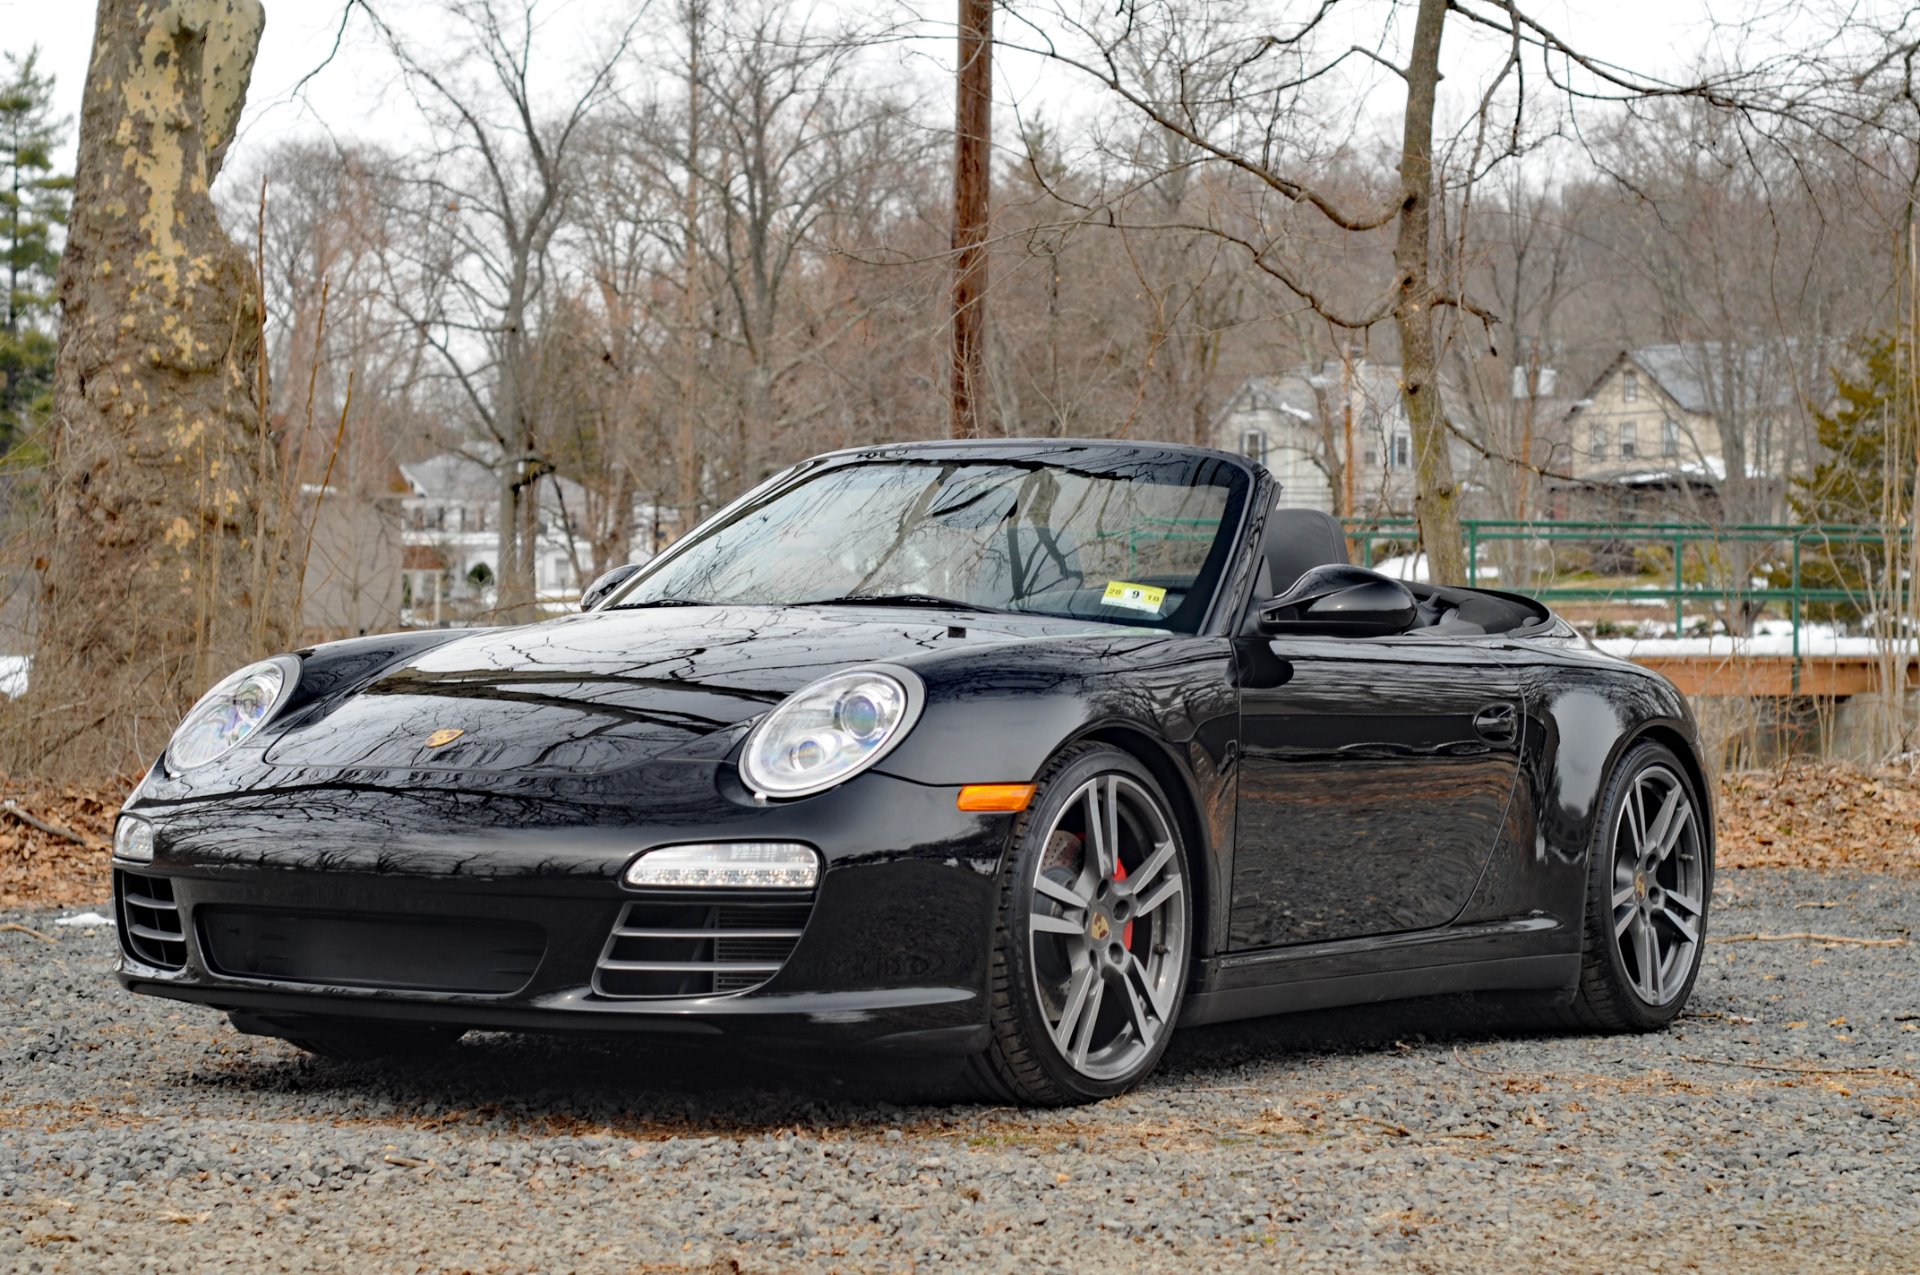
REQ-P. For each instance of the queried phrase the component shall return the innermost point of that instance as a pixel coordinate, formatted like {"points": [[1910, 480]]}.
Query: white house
{"points": [[450, 530], [1299, 423]]}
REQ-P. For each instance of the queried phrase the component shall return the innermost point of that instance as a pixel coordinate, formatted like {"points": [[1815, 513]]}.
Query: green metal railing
{"points": [[1790, 546]]}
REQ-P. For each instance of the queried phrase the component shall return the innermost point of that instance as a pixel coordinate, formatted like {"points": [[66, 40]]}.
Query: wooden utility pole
{"points": [[972, 188], [687, 459]]}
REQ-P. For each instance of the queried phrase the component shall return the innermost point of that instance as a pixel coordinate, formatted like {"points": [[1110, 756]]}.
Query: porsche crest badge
{"points": [[444, 736]]}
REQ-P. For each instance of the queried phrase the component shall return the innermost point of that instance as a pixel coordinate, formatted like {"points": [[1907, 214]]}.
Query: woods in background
{"points": [[623, 287]]}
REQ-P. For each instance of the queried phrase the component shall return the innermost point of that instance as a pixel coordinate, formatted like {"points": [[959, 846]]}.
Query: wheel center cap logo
{"points": [[1640, 886], [441, 738], [1099, 929]]}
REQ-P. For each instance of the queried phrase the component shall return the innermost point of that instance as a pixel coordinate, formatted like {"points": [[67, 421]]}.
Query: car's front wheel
{"points": [[1649, 885], [1091, 946]]}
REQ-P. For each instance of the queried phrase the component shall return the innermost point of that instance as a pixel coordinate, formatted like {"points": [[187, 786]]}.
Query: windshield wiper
{"points": [[662, 602], [899, 600]]}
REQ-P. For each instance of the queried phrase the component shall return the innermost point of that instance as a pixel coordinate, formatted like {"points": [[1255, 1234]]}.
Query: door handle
{"points": [[1497, 722]]}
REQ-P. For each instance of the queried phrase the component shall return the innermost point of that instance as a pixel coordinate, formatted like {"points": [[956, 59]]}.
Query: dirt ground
{"points": [[1818, 815], [1770, 1122]]}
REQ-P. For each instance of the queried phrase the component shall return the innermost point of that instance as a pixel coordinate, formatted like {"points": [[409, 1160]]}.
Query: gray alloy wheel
{"points": [[1659, 894], [1091, 956], [1649, 887]]}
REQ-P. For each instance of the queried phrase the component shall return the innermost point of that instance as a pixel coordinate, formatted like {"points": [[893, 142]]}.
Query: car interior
{"points": [[1297, 540]]}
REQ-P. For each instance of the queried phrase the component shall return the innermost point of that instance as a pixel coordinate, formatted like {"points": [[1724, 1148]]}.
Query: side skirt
{"points": [[1501, 956]]}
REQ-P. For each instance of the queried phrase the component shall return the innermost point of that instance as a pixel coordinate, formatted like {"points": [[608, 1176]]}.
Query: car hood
{"points": [[612, 689]]}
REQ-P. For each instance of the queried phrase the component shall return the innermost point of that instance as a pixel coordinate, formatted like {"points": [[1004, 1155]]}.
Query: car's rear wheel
{"points": [[353, 1040], [1091, 947], [1649, 885]]}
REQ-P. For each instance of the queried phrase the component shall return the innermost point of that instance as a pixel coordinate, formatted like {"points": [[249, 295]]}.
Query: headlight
{"points": [[231, 711], [133, 840], [830, 731]]}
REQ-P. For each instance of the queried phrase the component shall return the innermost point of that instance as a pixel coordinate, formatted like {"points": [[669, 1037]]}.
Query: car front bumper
{"points": [[498, 910]]}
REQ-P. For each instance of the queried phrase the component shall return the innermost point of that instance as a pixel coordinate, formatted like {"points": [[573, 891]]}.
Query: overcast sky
{"points": [[355, 94]]}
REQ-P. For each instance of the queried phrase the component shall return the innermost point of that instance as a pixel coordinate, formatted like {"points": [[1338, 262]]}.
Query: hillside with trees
{"points": [[604, 288]]}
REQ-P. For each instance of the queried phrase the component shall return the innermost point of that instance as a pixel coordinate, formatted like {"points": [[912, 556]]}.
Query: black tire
{"points": [[1620, 990], [1133, 940], [354, 1040]]}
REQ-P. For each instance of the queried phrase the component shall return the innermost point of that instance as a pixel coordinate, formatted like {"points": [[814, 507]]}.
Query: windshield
{"points": [[1143, 544]]}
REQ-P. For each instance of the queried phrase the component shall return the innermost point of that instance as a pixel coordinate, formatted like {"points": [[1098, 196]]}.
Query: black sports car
{"points": [[1022, 750]]}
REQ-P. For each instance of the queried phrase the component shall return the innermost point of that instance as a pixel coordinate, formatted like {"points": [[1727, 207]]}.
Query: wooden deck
{"points": [[1770, 676]]}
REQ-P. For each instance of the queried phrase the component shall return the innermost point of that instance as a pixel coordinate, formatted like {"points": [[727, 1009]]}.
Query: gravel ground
{"points": [[1771, 1129]]}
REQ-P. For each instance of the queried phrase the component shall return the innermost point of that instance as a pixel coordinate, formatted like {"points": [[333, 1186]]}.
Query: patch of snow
{"points": [[1412, 568], [1814, 640], [13, 675], [84, 919]]}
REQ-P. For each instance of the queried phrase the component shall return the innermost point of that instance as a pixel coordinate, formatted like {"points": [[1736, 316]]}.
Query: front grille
{"points": [[683, 948], [150, 927], [410, 953]]}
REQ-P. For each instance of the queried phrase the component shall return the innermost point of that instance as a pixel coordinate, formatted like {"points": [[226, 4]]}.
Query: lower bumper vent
{"points": [[151, 930], [427, 954], [679, 948]]}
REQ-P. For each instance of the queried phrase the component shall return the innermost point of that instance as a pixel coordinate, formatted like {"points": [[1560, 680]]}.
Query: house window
{"points": [[1629, 439], [1669, 437], [1402, 451], [1630, 386], [1599, 442], [1253, 444]]}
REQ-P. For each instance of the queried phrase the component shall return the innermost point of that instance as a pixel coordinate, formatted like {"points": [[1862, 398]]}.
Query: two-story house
{"points": [[1303, 422], [1661, 420], [450, 532]]}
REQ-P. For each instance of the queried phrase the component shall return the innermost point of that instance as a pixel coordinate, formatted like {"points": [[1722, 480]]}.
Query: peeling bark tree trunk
{"points": [[167, 566], [1436, 498]]}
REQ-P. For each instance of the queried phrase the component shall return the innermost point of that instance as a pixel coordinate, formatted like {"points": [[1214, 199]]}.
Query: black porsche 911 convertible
{"points": [[1027, 751]]}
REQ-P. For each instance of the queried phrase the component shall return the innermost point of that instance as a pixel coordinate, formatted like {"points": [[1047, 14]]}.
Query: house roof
{"points": [[1293, 392], [461, 476], [1708, 378]]}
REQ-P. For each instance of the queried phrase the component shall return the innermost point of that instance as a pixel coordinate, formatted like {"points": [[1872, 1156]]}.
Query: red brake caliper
{"points": [[1120, 874]]}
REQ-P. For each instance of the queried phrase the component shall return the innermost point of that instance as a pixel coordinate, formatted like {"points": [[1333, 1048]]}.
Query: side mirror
{"points": [[1341, 601], [597, 591]]}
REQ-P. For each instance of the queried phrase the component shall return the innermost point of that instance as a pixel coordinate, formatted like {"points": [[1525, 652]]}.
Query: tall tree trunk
{"points": [[519, 479], [1436, 499], [168, 564]]}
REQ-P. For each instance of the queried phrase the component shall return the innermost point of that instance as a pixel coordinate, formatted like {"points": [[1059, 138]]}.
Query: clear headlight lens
{"points": [[230, 712], [133, 840], [830, 731], [763, 865]]}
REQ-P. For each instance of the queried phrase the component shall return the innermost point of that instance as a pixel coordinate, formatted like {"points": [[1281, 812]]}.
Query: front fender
{"points": [[1172, 703], [998, 715]]}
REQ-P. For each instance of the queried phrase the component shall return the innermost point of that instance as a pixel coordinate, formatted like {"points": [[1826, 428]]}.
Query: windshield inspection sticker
{"points": [[1134, 597]]}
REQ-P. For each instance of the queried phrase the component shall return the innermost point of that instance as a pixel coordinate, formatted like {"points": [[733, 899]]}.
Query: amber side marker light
{"points": [[1003, 798]]}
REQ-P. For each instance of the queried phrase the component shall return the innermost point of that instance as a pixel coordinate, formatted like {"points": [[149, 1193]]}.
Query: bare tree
{"points": [[1243, 87], [475, 269], [714, 244]]}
